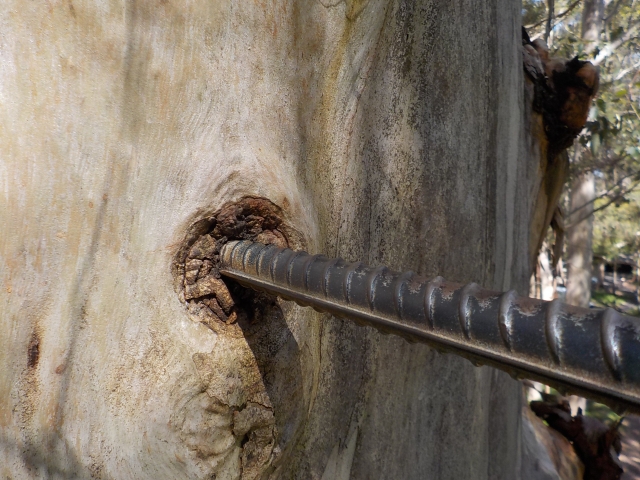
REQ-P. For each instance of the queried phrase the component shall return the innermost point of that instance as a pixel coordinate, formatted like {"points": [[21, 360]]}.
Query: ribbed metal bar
{"points": [[592, 352]]}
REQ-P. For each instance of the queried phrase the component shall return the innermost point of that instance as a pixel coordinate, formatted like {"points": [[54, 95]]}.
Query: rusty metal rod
{"points": [[591, 352]]}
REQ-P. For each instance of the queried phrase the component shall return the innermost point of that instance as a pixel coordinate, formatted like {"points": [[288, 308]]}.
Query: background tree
{"points": [[605, 162]]}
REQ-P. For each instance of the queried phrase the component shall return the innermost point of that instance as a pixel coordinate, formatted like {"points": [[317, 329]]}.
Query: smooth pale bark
{"points": [[580, 241], [388, 131], [583, 193]]}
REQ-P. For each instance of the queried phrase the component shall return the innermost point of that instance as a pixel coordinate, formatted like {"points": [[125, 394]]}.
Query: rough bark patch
{"points": [[213, 300], [239, 425]]}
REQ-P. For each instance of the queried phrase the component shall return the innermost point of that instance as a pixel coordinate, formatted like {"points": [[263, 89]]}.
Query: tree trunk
{"points": [[579, 241], [548, 31], [391, 132], [592, 20], [583, 192], [601, 267]]}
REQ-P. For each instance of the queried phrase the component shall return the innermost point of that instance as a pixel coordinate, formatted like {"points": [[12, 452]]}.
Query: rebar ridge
{"points": [[592, 352]]}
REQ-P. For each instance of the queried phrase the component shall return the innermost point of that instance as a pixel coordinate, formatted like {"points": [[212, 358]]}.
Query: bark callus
{"points": [[218, 301], [250, 406]]}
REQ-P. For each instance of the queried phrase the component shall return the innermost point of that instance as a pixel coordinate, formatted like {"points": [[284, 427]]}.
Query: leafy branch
{"points": [[612, 200], [611, 47], [603, 195], [556, 17]]}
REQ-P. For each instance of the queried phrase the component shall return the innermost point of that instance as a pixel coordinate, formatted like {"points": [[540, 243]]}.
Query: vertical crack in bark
{"points": [[33, 350]]}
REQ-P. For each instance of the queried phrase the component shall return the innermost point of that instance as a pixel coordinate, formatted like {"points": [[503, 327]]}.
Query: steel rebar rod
{"points": [[591, 352]]}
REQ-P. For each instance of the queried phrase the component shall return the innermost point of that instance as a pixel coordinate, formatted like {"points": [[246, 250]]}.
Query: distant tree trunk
{"points": [[592, 19], [393, 132], [548, 37], [579, 241], [601, 267], [580, 233]]}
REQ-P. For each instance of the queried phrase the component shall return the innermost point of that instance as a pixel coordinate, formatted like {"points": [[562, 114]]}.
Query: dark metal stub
{"points": [[591, 352]]}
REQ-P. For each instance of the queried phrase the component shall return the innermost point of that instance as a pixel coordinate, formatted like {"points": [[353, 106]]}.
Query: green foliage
{"points": [[601, 412], [608, 299], [621, 303], [533, 11], [617, 228]]}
